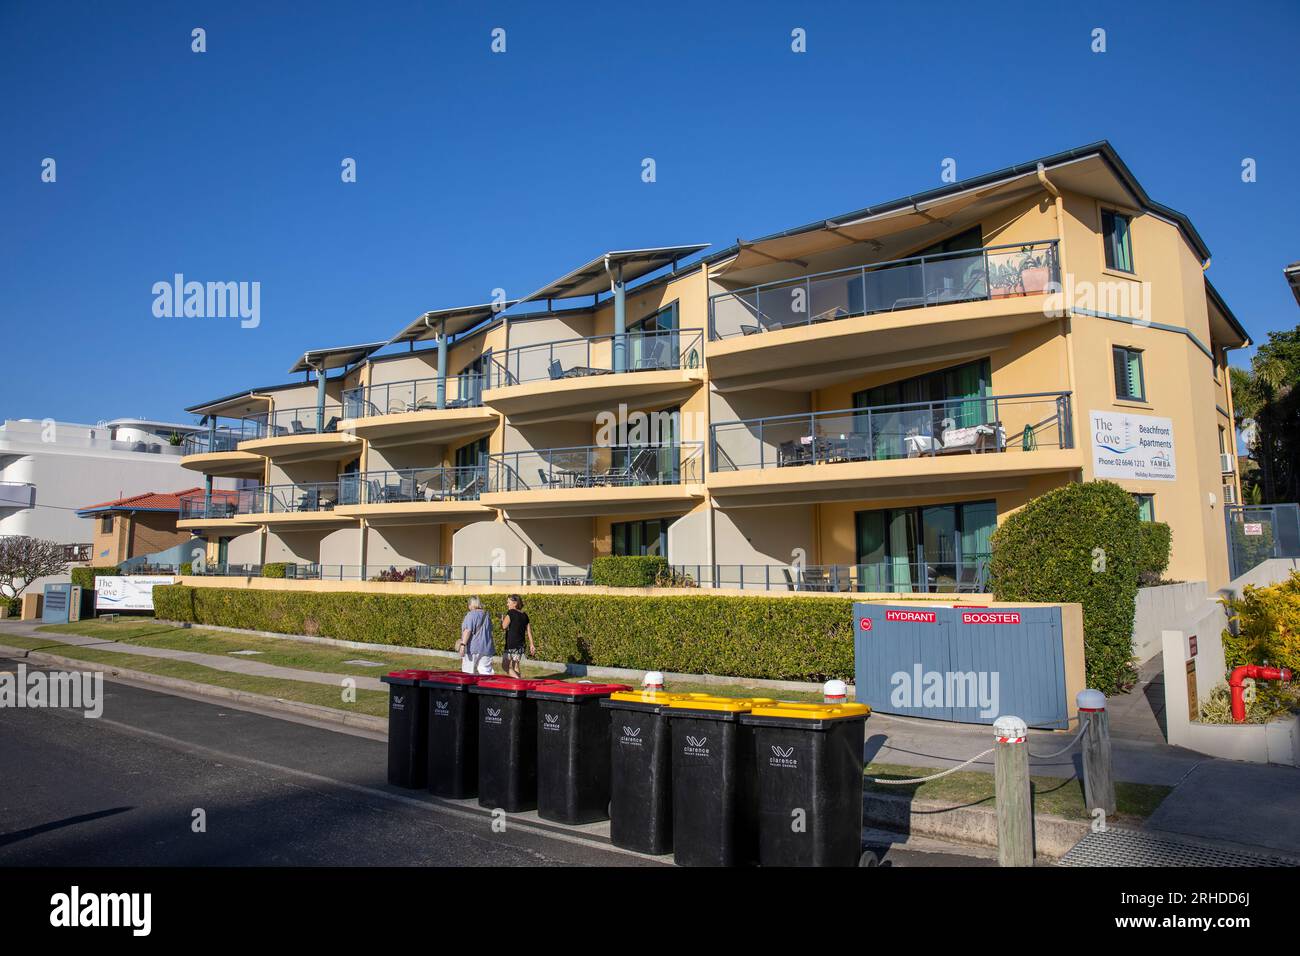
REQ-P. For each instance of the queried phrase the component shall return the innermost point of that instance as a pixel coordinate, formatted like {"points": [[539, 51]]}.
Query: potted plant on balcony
{"points": [[1020, 274]]}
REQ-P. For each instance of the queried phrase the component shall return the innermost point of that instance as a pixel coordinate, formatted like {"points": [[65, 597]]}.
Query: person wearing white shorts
{"points": [[475, 645]]}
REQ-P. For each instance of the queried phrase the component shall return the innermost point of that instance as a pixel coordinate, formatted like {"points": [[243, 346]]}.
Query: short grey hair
{"points": [[475, 604]]}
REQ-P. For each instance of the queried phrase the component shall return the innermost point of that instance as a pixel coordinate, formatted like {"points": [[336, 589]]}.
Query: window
{"points": [[473, 455], [1146, 507], [1117, 241], [640, 538], [1223, 440], [1129, 384], [106, 524], [954, 391]]}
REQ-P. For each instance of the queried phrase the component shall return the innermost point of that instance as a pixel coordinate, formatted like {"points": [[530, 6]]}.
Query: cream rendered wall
{"points": [[1179, 377], [403, 545]]}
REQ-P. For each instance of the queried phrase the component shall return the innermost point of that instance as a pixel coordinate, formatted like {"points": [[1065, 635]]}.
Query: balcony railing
{"points": [[920, 281], [952, 574], [596, 466], [294, 421], [992, 423], [221, 504], [654, 351], [310, 496], [409, 485], [548, 574], [413, 395], [224, 435]]}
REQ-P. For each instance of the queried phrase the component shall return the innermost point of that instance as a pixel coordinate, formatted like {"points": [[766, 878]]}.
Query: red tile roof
{"points": [[151, 501]]}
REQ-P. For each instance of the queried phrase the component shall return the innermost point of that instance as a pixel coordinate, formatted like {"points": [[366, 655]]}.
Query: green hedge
{"points": [[85, 577], [787, 638], [1154, 543], [275, 569], [628, 571], [1078, 544], [15, 605]]}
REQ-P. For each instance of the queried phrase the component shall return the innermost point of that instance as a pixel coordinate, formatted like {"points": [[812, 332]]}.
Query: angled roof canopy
{"points": [[337, 357], [456, 320], [593, 278]]}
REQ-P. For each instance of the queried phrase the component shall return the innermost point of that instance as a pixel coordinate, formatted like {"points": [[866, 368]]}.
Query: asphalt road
{"points": [[122, 790]]}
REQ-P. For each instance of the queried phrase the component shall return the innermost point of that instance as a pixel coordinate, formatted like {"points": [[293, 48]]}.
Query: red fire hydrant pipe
{"points": [[1258, 672]]}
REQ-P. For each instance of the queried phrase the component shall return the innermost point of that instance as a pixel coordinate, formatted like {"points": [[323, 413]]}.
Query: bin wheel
{"points": [[868, 858]]}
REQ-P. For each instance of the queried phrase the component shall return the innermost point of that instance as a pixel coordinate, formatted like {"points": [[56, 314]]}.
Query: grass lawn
{"points": [[1054, 796], [320, 657], [372, 702]]}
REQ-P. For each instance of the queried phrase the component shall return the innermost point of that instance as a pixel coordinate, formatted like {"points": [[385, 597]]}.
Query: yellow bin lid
{"points": [[802, 711], [727, 705], [651, 696]]}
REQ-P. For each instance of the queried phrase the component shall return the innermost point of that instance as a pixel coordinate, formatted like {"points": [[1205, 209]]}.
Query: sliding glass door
{"points": [[929, 548], [958, 395]]}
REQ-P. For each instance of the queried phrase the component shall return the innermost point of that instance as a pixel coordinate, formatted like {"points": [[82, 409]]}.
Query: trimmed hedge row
{"points": [[628, 571], [788, 638]]}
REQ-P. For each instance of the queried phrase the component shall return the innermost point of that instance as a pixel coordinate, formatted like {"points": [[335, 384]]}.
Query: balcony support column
{"points": [[617, 287], [320, 400], [207, 495], [442, 364]]}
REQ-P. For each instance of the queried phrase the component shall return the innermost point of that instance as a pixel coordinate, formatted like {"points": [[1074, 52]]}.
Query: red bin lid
{"points": [[573, 689], [450, 677], [509, 683]]}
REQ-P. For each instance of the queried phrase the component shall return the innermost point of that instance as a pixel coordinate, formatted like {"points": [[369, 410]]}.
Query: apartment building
{"points": [[851, 404]]}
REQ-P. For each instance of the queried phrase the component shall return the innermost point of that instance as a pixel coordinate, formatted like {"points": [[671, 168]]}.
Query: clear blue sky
{"points": [[478, 170]]}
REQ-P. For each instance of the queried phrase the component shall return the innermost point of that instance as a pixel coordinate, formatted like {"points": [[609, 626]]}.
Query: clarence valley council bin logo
{"points": [[551, 722], [492, 715], [782, 757], [631, 736], [695, 746]]}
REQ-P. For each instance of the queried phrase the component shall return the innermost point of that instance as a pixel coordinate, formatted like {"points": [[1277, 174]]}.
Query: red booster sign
{"points": [[990, 617]]}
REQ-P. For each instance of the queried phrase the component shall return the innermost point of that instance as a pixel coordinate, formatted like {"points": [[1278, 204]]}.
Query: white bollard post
{"points": [[1011, 792], [1098, 784], [653, 681], [835, 692]]}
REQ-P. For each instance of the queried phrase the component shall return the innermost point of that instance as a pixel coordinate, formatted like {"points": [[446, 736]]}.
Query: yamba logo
{"points": [[631, 736], [492, 716], [551, 722], [695, 746], [782, 757]]}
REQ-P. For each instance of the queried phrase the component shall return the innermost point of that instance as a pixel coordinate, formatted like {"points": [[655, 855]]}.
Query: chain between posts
{"points": [[933, 776]]}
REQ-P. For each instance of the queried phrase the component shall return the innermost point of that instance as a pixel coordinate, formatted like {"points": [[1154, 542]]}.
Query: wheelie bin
{"points": [[809, 777], [714, 806], [507, 743], [408, 747], [572, 750], [452, 734], [640, 770]]}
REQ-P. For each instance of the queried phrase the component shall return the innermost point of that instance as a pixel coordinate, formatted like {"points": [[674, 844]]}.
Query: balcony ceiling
{"points": [[417, 512], [436, 426], [291, 449], [226, 464], [589, 502], [579, 399]]}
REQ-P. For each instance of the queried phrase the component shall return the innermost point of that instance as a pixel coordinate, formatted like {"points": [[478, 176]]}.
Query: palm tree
{"points": [[1261, 400]]}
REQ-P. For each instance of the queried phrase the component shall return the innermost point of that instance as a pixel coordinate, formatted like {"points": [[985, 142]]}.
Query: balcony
{"points": [[414, 495], [887, 451], [574, 378], [303, 505], [17, 494], [803, 332], [300, 434], [216, 451], [412, 410], [596, 479], [220, 509], [951, 573]]}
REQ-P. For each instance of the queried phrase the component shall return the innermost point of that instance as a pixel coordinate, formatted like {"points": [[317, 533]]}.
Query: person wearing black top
{"points": [[515, 623]]}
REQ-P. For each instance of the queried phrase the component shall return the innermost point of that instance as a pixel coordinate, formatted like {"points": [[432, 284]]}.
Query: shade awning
{"points": [[454, 320], [593, 278], [338, 357]]}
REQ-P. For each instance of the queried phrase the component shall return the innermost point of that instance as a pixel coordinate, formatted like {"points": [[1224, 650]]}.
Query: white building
{"points": [[49, 469]]}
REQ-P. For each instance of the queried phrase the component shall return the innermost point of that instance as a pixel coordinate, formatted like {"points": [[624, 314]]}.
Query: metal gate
{"points": [[966, 664], [1259, 532]]}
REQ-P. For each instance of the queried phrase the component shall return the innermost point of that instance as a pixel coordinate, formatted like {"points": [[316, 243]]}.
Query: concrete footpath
{"points": [[1251, 805]]}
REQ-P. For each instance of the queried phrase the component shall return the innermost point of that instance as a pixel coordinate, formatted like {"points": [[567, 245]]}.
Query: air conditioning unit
{"points": [[1227, 463], [1229, 494]]}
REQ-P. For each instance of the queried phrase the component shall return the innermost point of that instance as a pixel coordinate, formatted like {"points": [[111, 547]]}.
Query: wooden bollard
{"points": [[1011, 783], [1098, 784]]}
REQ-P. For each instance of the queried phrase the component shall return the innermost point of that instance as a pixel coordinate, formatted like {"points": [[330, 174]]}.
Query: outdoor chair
{"points": [[940, 296], [406, 489], [332, 425], [545, 573], [555, 370], [297, 428]]}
